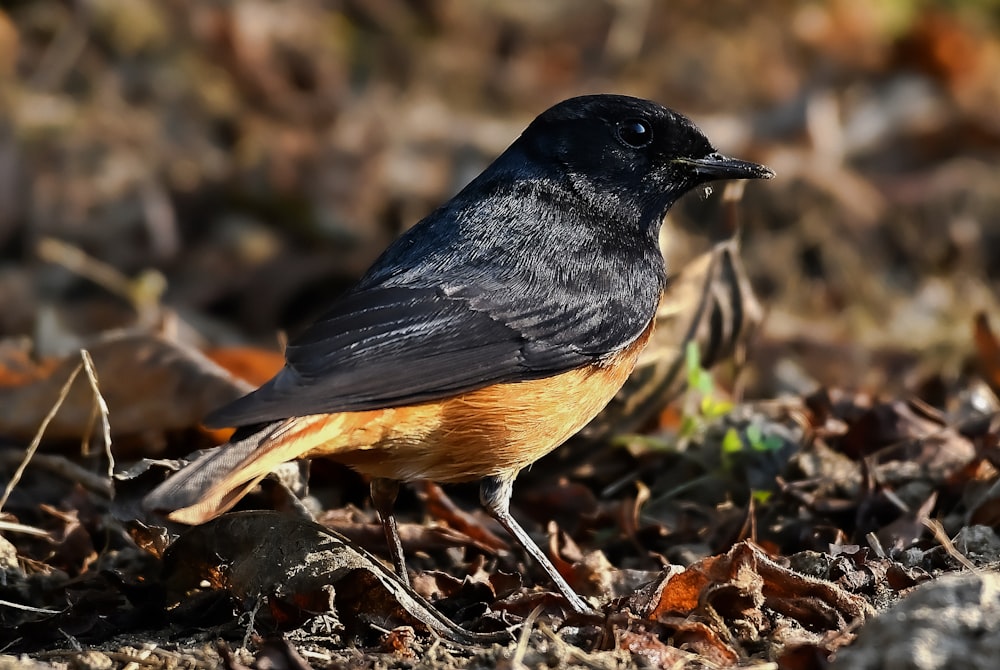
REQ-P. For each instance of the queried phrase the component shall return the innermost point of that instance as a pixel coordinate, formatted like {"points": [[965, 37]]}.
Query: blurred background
{"points": [[242, 162]]}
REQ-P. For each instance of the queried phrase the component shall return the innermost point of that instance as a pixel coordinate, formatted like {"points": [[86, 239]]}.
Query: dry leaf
{"points": [[298, 568], [150, 384]]}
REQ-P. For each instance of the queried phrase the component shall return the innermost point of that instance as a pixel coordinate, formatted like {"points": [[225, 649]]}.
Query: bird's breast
{"points": [[495, 430]]}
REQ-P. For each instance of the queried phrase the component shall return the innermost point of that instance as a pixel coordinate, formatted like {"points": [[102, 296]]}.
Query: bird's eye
{"points": [[635, 133]]}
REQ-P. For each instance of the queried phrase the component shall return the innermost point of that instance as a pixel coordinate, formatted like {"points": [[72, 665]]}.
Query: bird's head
{"points": [[629, 152]]}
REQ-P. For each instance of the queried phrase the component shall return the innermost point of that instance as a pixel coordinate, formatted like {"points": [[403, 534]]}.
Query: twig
{"points": [[63, 467], [27, 608], [76, 260], [37, 440], [876, 545], [942, 537], [143, 292], [517, 661], [11, 527], [89, 480], [101, 406]]}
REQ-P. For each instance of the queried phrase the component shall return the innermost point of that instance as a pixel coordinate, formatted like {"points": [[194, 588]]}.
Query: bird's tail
{"points": [[214, 482]]}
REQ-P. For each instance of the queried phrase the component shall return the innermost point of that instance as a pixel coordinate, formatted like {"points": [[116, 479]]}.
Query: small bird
{"points": [[488, 333]]}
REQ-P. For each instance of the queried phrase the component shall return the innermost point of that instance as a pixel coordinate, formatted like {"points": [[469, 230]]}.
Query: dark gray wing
{"points": [[393, 346]]}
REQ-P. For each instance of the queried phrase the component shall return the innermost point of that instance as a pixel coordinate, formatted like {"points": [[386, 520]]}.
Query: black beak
{"points": [[716, 166]]}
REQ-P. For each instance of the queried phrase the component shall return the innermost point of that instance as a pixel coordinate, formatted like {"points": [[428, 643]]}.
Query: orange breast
{"points": [[491, 431]]}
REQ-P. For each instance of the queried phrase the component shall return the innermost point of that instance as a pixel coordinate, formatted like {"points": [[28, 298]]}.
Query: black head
{"points": [[630, 151]]}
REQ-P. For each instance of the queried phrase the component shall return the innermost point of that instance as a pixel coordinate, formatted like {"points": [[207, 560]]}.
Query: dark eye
{"points": [[636, 133]]}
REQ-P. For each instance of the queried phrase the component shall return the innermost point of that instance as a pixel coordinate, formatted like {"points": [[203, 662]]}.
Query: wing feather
{"points": [[394, 346]]}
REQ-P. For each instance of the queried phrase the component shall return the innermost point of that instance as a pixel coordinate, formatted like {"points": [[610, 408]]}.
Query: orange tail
{"points": [[216, 481]]}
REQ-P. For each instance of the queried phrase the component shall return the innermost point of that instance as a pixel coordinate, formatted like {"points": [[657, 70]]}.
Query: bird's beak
{"points": [[716, 166]]}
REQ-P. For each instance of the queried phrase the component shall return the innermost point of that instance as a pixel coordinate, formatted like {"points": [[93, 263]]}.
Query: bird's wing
{"points": [[394, 346]]}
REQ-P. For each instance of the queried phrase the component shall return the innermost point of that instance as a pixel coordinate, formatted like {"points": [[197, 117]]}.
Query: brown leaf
{"points": [[292, 565], [251, 364], [72, 549], [704, 640], [653, 652], [399, 642], [150, 384], [987, 351], [739, 583], [440, 506], [905, 431], [681, 592]]}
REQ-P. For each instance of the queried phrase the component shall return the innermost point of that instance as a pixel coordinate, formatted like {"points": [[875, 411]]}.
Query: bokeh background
{"points": [[242, 162]]}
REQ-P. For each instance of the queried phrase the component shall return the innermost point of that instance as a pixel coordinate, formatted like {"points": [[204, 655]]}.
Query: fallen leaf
{"points": [[150, 384], [299, 569], [738, 585]]}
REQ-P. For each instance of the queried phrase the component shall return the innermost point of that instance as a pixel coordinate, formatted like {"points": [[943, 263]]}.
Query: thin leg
{"points": [[494, 492], [384, 492]]}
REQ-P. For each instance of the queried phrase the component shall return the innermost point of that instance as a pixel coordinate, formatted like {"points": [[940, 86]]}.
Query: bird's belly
{"points": [[491, 431]]}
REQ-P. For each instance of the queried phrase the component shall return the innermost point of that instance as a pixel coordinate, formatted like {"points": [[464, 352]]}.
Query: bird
{"points": [[488, 333]]}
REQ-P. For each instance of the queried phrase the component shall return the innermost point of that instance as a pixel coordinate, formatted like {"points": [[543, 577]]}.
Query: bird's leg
{"points": [[495, 492], [384, 492]]}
